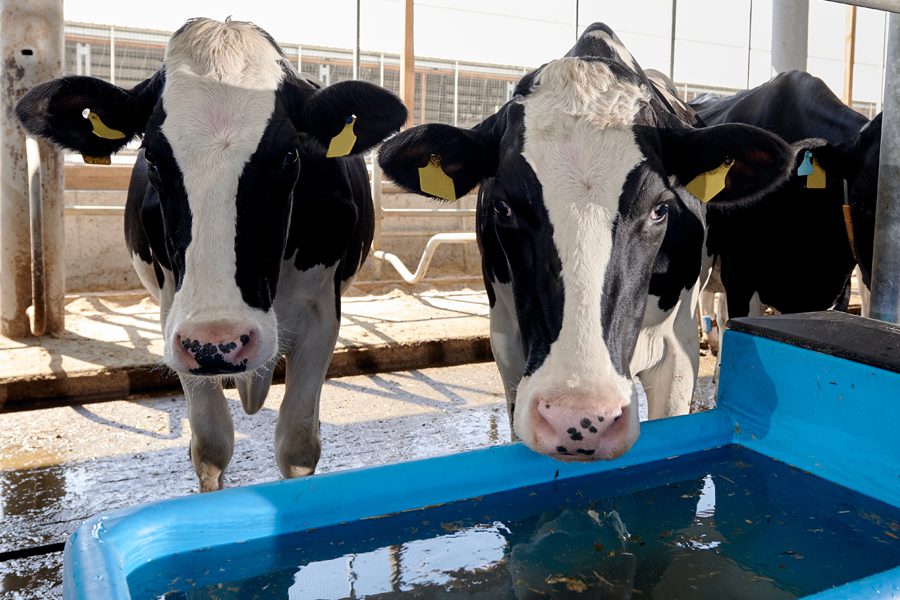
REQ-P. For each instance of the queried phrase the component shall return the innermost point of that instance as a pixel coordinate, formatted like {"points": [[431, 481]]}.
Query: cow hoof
{"points": [[211, 478], [297, 471]]}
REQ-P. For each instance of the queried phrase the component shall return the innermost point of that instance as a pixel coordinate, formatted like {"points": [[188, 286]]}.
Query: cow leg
{"points": [[297, 445], [864, 294], [669, 384], [254, 389], [506, 345], [212, 431]]}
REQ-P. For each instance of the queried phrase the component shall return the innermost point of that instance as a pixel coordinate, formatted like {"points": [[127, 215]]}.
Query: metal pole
{"points": [[849, 55], [576, 20], [886, 257], [456, 94], [112, 55], [790, 35], [672, 42], [408, 63], [31, 49], [749, 42], [356, 46]]}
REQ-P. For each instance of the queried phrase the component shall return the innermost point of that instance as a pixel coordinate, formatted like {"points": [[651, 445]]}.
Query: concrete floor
{"points": [[63, 464]]}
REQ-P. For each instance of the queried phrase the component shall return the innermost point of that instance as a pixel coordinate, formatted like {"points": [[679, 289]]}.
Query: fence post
{"points": [[886, 257], [456, 94], [31, 50]]}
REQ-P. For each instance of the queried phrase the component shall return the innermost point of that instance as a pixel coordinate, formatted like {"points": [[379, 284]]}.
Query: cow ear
{"points": [[371, 113], [87, 114], [466, 156], [848, 158], [757, 161]]}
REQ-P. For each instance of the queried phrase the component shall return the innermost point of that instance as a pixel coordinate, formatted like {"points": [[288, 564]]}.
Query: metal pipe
{"points": [[672, 42], [790, 35], [31, 50], [356, 46], [429, 212], [886, 256], [430, 248], [377, 191], [456, 94], [35, 204]]}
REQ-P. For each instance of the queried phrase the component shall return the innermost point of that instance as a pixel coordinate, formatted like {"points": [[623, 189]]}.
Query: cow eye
{"points": [[660, 211], [150, 158], [290, 159], [502, 208]]}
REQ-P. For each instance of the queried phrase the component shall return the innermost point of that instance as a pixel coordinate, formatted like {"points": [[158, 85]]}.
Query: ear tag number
{"points": [[99, 127], [96, 160], [806, 167], [342, 143], [434, 182], [816, 180], [705, 186]]}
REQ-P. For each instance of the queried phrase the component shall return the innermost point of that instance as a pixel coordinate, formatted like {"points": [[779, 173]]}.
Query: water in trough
{"points": [[727, 523]]}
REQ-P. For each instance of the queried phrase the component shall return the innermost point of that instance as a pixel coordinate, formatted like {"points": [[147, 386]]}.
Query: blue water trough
{"points": [[789, 488]]}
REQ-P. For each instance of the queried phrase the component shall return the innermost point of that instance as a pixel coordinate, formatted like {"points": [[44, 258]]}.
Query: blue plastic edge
{"points": [[833, 417], [101, 554]]}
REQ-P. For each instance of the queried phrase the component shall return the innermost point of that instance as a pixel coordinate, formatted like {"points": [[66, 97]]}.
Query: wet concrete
{"points": [[60, 465]]}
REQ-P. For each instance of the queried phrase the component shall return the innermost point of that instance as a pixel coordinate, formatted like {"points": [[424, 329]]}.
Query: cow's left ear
{"points": [[87, 114], [370, 112], [753, 161]]}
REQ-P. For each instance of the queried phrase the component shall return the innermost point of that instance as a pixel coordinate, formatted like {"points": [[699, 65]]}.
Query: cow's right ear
{"points": [[466, 156], [87, 114]]}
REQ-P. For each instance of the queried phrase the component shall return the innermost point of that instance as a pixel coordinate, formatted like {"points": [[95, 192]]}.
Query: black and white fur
{"points": [[237, 223], [790, 251], [592, 249]]}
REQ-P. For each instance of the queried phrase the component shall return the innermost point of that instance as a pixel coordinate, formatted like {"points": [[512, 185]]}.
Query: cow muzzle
{"points": [[582, 425], [217, 347]]}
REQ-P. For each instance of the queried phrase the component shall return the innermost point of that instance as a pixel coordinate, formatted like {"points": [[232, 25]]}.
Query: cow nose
{"points": [[581, 427], [215, 348]]}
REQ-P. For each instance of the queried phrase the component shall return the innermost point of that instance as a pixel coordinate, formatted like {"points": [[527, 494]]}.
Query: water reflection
{"points": [[438, 561]]}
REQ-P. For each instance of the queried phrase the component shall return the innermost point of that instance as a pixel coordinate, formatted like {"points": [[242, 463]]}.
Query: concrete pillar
{"points": [[790, 34], [31, 50], [886, 258]]}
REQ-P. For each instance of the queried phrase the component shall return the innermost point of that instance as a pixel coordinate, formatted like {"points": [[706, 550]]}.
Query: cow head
{"points": [[581, 174], [227, 125], [856, 161]]}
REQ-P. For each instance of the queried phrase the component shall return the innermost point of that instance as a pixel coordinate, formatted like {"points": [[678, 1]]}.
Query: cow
{"points": [[792, 250], [592, 249], [238, 221]]}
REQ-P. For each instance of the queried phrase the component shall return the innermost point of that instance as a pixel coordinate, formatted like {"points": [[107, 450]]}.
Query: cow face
{"points": [[581, 175], [856, 162], [227, 125]]}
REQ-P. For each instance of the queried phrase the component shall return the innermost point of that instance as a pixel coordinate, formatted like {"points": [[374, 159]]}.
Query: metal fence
{"points": [[446, 91], [452, 92]]}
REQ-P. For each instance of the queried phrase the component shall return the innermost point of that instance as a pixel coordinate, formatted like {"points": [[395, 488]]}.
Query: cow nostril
{"points": [[245, 339], [617, 418]]}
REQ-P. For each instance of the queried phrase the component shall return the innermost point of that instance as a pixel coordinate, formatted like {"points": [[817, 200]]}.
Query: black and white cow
{"points": [[791, 250], [591, 247], [237, 222]]}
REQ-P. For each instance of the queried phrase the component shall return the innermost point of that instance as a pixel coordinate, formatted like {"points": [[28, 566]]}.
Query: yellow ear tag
{"points": [[100, 128], [817, 180], [705, 186], [96, 160], [434, 182], [342, 143]]}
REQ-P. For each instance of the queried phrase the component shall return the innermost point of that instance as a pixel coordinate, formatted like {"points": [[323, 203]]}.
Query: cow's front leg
{"points": [[212, 431], [669, 383], [297, 446]]}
